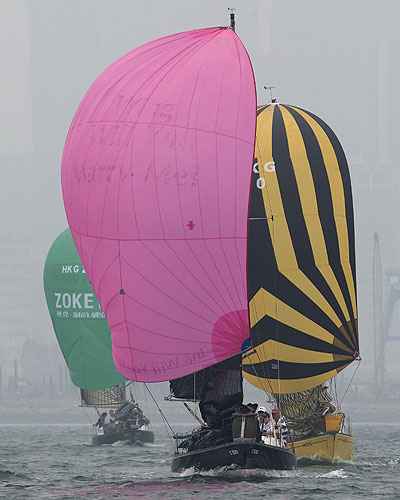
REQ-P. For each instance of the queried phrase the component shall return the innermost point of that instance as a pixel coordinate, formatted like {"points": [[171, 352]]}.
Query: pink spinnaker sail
{"points": [[156, 175]]}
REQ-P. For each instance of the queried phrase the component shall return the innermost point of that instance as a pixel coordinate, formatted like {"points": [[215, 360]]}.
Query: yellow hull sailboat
{"points": [[301, 274], [333, 446], [330, 447]]}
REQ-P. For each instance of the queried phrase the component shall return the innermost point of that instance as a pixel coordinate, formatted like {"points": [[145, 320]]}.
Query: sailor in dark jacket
{"points": [[101, 420]]}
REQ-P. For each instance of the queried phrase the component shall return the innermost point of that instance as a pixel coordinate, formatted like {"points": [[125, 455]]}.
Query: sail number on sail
{"points": [[268, 167]]}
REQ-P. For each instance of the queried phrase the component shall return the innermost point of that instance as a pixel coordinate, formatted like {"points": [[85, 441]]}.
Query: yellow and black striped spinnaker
{"points": [[301, 258]]}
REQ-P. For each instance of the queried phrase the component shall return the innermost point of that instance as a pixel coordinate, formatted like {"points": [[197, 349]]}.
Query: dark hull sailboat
{"points": [[230, 436], [129, 425], [240, 457], [175, 124], [85, 340], [135, 435]]}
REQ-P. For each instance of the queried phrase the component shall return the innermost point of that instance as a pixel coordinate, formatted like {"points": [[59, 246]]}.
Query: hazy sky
{"points": [[339, 60]]}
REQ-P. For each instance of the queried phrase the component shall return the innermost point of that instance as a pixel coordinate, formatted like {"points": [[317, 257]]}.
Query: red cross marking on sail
{"points": [[191, 225]]}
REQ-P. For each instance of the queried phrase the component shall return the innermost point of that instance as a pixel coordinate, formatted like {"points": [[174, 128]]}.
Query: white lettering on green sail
{"points": [[75, 301], [88, 301], [77, 305], [79, 323], [75, 269]]}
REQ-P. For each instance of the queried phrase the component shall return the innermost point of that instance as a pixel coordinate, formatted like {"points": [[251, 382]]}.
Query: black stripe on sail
{"points": [[345, 173], [290, 336], [344, 170], [260, 109], [283, 370], [263, 273], [325, 210], [290, 193]]}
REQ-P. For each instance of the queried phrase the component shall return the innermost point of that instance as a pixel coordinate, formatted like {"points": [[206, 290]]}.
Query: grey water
{"points": [[58, 461]]}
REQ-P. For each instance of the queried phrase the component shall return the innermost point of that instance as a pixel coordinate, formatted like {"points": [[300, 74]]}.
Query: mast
{"points": [[232, 16], [273, 100]]}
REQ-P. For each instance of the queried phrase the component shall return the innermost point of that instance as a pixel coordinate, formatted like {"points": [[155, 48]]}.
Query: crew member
{"points": [[101, 420], [279, 425], [265, 424]]}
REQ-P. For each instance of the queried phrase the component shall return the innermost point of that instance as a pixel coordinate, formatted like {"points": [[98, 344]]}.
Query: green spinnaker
{"points": [[79, 323]]}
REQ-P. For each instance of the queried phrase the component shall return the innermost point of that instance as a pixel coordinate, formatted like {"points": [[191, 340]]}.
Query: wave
{"points": [[340, 473], [7, 474], [234, 472]]}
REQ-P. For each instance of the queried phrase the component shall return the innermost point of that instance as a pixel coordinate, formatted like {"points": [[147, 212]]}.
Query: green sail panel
{"points": [[301, 257], [79, 323]]}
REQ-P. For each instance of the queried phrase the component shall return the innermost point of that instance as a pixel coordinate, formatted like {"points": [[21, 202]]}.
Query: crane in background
{"points": [[383, 318]]}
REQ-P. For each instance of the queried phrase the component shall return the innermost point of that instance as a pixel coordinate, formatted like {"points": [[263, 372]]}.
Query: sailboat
{"points": [[156, 176], [301, 272], [85, 341]]}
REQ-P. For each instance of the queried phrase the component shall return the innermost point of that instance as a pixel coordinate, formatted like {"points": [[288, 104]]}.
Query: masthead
{"points": [[273, 100], [232, 15]]}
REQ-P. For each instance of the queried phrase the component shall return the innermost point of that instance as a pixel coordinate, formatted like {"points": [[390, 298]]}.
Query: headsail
{"points": [[112, 397], [156, 173], [301, 266], [79, 323]]}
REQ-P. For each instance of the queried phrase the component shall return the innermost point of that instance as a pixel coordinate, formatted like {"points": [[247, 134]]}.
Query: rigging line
{"points": [[194, 397], [335, 393], [134, 387], [146, 402], [87, 415], [165, 421], [256, 351], [351, 380], [253, 305], [260, 379], [276, 314]]}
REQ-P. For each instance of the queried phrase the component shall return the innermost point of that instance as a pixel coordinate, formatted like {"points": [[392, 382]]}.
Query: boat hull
{"points": [[329, 447], [134, 435], [239, 456]]}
